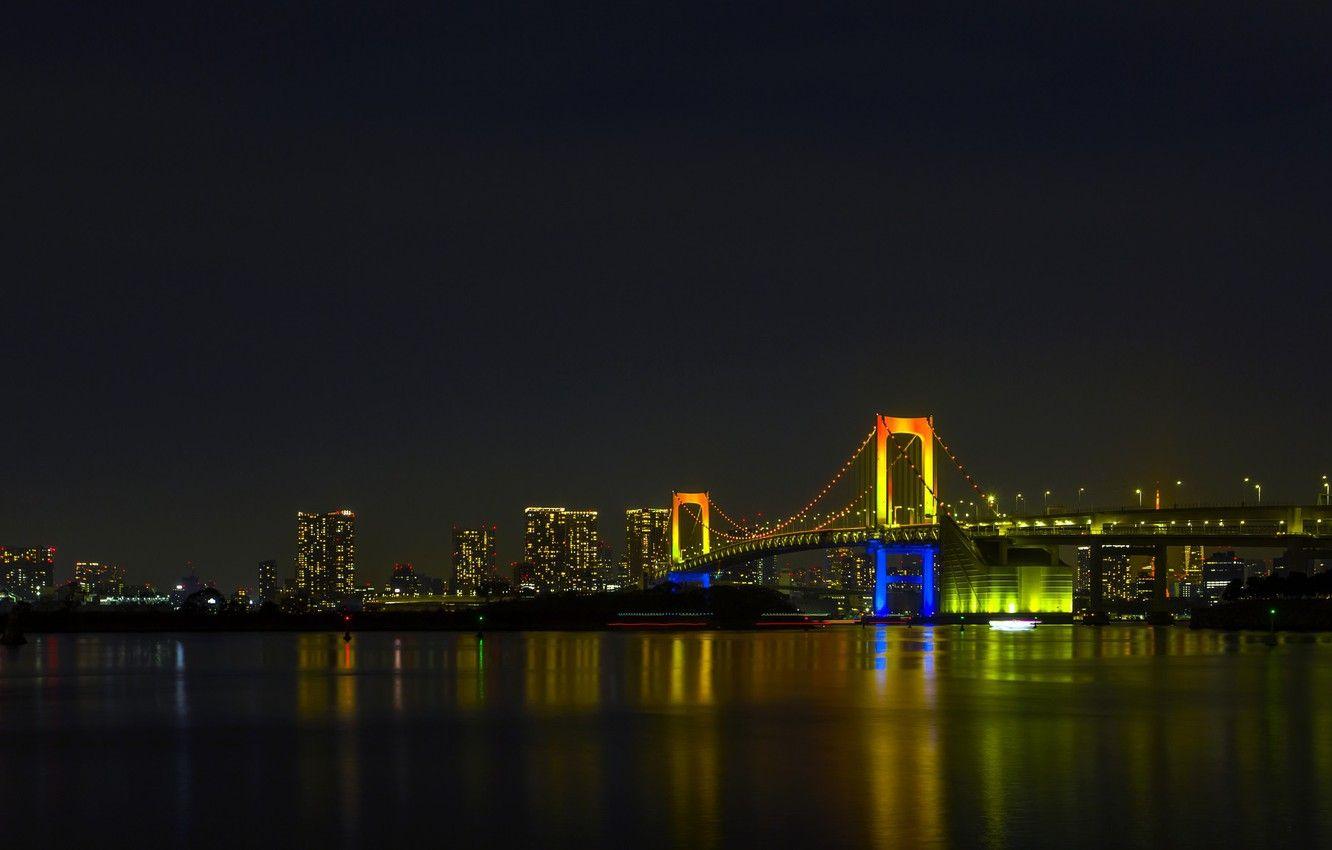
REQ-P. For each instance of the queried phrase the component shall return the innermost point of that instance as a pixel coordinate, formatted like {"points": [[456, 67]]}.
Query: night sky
{"points": [[438, 264]]}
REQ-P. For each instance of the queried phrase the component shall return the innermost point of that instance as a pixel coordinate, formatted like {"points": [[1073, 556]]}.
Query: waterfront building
{"points": [[184, 589], [647, 545], [25, 571], [326, 556], [268, 580], [473, 558], [404, 582], [1222, 568], [561, 546], [99, 579]]}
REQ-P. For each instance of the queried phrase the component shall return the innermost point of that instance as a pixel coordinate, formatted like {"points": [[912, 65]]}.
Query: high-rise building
{"points": [[1193, 561], [326, 555], [647, 545], [26, 570], [99, 579], [268, 580], [1118, 579], [850, 568], [561, 546], [473, 558]]}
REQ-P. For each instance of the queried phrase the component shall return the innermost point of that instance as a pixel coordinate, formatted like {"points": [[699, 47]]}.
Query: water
{"points": [[850, 737]]}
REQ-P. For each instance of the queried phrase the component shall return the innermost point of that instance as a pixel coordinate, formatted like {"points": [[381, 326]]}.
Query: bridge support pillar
{"points": [[1160, 610], [879, 553], [928, 605]]}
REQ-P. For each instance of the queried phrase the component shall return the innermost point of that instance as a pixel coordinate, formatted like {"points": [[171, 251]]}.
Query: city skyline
{"points": [[442, 282], [499, 546]]}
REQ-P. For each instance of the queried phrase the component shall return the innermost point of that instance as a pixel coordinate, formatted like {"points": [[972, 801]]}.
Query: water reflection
{"points": [[846, 738]]}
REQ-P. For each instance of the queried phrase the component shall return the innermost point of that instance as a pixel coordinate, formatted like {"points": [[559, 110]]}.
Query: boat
{"points": [[1012, 625]]}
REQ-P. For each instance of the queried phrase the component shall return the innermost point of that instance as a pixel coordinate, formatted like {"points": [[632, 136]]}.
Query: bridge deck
{"points": [[1306, 527]]}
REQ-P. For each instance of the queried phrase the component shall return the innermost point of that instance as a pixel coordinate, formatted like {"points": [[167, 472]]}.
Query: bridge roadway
{"points": [[785, 543], [1274, 526], [1307, 527]]}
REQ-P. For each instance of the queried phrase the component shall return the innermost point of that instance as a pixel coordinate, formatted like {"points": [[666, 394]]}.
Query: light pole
{"points": [[989, 500], [1327, 494], [1246, 482], [1017, 504], [1047, 501], [1259, 488], [1139, 492], [1081, 490]]}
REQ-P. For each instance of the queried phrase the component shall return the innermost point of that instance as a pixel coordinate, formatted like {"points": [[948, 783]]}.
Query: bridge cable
{"points": [[975, 485]]}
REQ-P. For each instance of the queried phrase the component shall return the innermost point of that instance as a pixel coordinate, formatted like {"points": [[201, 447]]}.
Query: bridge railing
{"points": [[1135, 508], [1246, 528]]}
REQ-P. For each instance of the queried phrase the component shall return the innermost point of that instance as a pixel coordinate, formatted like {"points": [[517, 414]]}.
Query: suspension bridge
{"points": [[885, 498]]}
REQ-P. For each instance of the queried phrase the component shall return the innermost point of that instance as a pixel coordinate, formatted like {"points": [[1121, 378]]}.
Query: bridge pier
{"points": [[1159, 613], [880, 551]]}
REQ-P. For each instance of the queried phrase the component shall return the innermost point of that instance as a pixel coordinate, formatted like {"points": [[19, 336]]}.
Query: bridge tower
{"points": [[703, 502], [918, 428], [887, 503]]}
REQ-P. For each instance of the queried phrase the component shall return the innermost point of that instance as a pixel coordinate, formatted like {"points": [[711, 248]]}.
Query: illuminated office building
{"points": [[404, 582], [473, 558], [1193, 561], [561, 546], [26, 570], [99, 579], [268, 580], [1118, 578], [1222, 568], [647, 545], [326, 555], [849, 568]]}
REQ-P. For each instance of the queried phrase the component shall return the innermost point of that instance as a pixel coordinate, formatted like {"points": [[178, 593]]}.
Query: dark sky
{"points": [[438, 264]]}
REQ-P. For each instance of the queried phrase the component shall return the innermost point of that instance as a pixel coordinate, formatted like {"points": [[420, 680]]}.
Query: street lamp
{"points": [[1047, 501], [1139, 492], [1259, 488], [1327, 494], [1081, 490], [1017, 504], [1246, 482]]}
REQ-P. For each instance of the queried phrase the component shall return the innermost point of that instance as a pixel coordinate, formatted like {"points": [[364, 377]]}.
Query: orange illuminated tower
{"points": [[700, 499], [886, 449]]}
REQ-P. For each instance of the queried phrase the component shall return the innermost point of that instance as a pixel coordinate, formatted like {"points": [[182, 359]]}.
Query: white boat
{"points": [[1012, 625]]}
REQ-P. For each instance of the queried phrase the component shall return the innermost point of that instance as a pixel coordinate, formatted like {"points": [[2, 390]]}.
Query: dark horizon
{"points": [[442, 265]]}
